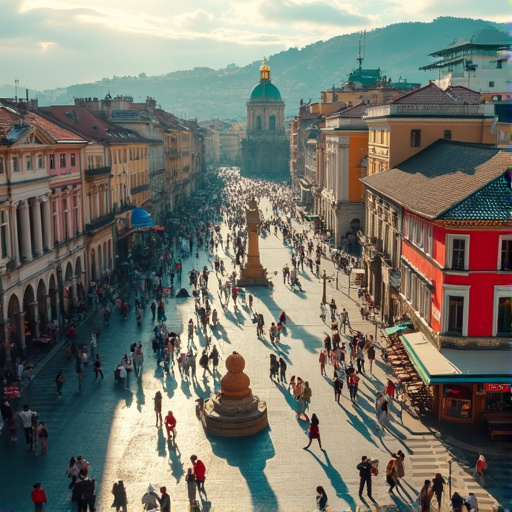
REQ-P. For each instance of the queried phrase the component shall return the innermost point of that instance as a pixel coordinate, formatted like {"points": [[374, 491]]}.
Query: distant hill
{"points": [[204, 93]]}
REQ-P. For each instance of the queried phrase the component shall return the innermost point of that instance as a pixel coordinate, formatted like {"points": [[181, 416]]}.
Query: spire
{"points": [[264, 71]]}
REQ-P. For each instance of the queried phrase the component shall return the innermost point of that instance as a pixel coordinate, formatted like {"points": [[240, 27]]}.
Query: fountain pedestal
{"points": [[235, 412]]}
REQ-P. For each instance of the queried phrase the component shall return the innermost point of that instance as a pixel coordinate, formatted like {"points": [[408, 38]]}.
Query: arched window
{"points": [[272, 123], [258, 123]]}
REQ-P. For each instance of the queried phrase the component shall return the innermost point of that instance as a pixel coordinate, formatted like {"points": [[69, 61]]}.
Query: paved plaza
{"points": [[114, 429]]}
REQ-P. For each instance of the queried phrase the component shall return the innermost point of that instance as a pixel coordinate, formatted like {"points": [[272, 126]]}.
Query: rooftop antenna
{"points": [[362, 45]]}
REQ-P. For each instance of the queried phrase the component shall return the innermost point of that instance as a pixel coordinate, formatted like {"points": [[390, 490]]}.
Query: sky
{"points": [[55, 43]]}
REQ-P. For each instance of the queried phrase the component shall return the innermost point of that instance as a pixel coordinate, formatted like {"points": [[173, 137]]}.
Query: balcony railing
{"points": [[99, 171], [99, 223], [139, 189]]}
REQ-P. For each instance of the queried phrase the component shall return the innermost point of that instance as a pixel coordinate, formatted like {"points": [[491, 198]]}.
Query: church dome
{"points": [[265, 90]]}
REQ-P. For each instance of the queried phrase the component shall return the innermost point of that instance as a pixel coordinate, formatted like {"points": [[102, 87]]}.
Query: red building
{"points": [[455, 267]]}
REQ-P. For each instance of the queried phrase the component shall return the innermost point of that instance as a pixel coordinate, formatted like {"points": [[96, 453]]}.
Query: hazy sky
{"points": [[51, 43]]}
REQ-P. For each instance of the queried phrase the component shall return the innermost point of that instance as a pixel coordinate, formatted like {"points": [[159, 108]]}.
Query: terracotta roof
{"points": [[13, 122], [431, 94], [87, 124], [441, 176]]}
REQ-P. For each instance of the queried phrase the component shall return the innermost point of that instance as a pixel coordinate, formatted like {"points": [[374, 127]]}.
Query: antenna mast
{"points": [[362, 46]]}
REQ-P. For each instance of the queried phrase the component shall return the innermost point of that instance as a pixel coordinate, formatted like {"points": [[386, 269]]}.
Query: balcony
{"points": [[123, 207], [99, 223], [99, 171], [139, 189]]}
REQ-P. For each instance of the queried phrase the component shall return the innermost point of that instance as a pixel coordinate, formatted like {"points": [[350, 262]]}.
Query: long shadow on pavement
{"points": [[359, 425], [335, 478], [250, 455]]}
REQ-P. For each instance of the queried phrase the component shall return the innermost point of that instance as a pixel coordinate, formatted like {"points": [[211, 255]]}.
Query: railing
{"points": [[139, 189], [98, 171], [99, 223]]}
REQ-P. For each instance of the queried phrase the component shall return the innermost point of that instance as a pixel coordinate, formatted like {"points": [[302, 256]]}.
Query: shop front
{"points": [[467, 386]]}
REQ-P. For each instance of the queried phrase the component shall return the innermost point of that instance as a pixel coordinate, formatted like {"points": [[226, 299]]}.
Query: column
{"points": [[47, 224], [21, 328], [79, 224], [97, 209], [26, 243], [14, 234], [37, 228], [35, 313], [71, 229]]}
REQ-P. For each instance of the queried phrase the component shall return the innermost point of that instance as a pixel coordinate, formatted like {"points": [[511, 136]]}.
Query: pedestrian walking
{"points": [[322, 358], [72, 471], [165, 500], [199, 473], [26, 420], [360, 359], [191, 487], [9, 420], [282, 369], [314, 431], [170, 426], [338, 386], [214, 356], [400, 469], [371, 356], [321, 498], [97, 367], [38, 497], [353, 383], [480, 467], [391, 473], [457, 502], [158, 407], [425, 497], [438, 483], [303, 401], [59, 382], [42, 432], [390, 388], [365, 476], [150, 499], [120, 499]]}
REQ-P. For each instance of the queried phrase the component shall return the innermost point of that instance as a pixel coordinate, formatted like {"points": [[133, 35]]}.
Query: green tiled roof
{"points": [[492, 202]]}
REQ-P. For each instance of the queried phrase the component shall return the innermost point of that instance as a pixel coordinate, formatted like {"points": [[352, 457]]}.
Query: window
{"points": [[457, 252], [447, 135], [502, 314], [2, 170], [15, 164], [73, 160], [415, 138], [272, 122], [455, 310], [52, 161], [491, 84], [40, 161], [455, 314], [504, 327], [505, 262], [90, 162], [28, 162], [3, 233], [62, 160], [258, 123]]}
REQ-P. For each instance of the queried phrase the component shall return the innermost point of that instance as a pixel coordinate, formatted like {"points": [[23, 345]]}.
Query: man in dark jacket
{"points": [[365, 475]]}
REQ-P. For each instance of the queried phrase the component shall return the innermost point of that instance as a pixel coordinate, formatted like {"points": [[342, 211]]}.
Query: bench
{"points": [[498, 431], [499, 427]]}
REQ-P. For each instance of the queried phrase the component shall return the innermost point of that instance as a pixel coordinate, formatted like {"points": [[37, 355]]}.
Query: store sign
{"points": [[498, 388]]}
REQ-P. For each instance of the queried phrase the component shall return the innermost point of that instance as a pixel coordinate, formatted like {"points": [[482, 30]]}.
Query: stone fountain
{"points": [[235, 411]]}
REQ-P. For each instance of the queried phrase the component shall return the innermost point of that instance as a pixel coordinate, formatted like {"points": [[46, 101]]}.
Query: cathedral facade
{"points": [[266, 148]]}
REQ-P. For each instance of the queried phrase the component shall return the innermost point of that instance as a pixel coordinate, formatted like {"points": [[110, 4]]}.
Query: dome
{"points": [[141, 219], [265, 91]]}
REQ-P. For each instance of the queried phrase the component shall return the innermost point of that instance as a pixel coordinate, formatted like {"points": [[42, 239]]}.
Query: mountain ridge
{"points": [[203, 93]]}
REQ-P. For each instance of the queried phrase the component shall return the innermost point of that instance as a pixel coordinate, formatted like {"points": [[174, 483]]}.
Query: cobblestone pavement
{"points": [[115, 429]]}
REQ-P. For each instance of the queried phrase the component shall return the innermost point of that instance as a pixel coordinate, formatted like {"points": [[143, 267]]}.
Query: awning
{"points": [[141, 219], [395, 328], [450, 366]]}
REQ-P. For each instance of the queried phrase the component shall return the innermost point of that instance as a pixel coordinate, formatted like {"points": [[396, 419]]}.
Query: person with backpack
{"points": [[391, 473]]}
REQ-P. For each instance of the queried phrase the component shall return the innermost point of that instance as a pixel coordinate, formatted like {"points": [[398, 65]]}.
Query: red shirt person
{"points": [[170, 425], [38, 497], [199, 473]]}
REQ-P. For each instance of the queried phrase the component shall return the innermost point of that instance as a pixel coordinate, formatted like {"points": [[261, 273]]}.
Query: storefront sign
{"points": [[498, 388]]}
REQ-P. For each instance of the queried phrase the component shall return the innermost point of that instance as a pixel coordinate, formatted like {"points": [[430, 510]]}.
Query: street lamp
{"points": [[324, 296]]}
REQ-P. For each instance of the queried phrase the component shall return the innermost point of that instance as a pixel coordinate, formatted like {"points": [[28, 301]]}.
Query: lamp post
{"points": [[324, 296]]}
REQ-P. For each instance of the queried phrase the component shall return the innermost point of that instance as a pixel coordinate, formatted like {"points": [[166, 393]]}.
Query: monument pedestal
{"points": [[235, 412]]}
